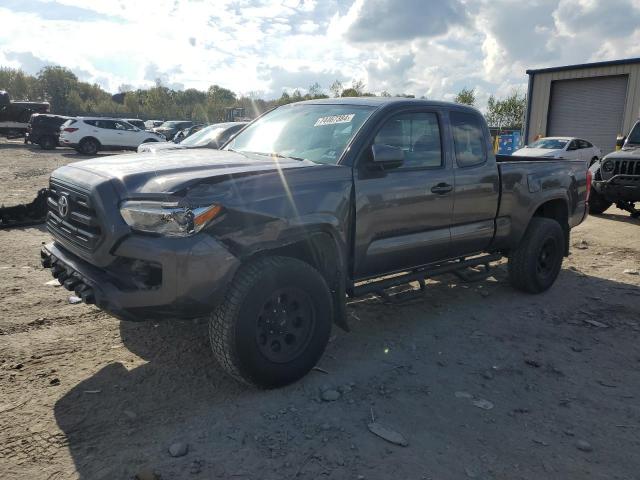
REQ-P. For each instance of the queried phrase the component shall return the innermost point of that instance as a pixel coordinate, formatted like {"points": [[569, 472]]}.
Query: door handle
{"points": [[442, 188]]}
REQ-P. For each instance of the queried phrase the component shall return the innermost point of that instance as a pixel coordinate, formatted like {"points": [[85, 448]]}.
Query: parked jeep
{"points": [[616, 178], [311, 203], [44, 130]]}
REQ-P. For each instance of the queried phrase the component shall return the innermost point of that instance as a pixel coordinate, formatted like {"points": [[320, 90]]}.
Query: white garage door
{"points": [[589, 108]]}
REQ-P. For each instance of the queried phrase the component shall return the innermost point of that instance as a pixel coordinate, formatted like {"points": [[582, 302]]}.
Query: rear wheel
{"points": [[48, 142], [89, 146], [534, 265], [274, 322], [597, 203]]}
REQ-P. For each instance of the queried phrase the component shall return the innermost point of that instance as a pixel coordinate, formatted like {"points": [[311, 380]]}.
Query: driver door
{"points": [[403, 214], [127, 134]]}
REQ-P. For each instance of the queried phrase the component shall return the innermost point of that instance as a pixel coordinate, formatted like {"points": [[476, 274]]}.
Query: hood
{"points": [[627, 153], [147, 173], [537, 152]]}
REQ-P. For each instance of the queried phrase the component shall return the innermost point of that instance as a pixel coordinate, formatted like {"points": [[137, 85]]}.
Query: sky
{"points": [[429, 48]]}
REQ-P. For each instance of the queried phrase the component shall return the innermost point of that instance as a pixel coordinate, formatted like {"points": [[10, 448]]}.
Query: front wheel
{"points": [[274, 322], [535, 264], [597, 203]]}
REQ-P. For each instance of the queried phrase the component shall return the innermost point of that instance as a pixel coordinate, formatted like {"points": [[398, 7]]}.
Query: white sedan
{"points": [[567, 148]]}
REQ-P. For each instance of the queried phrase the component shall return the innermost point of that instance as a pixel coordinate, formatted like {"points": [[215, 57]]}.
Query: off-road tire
{"points": [[597, 203], [234, 325], [47, 142], [88, 146], [524, 261]]}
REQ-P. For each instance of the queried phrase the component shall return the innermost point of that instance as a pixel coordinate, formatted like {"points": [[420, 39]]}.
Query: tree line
{"points": [[504, 114], [70, 96]]}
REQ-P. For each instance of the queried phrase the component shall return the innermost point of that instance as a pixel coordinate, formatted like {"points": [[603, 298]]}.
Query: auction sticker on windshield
{"points": [[333, 119]]}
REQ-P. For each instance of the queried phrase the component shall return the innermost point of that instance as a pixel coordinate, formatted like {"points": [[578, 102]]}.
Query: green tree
{"points": [[358, 86], [466, 96], [220, 95], [336, 88], [507, 113], [57, 83], [315, 91], [350, 92]]}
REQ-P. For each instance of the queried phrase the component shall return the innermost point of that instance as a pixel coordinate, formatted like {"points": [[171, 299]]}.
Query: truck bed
{"points": [[546, 179]]}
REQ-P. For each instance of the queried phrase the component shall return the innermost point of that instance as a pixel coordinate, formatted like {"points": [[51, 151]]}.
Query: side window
{"points": [[93, 123], [418, 134], [468, 137], [583, 144], [108, 124], [573, 145]]}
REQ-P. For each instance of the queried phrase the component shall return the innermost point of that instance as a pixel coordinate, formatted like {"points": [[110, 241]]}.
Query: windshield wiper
{"points": [[274, 154]]}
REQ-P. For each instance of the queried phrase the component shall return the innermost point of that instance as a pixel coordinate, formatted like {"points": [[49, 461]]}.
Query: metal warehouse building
{"points": [[594, 101]]}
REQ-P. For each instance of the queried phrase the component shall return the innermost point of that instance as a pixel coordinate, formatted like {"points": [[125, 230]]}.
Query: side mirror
{"points": [[386, 157], [620, 142]]}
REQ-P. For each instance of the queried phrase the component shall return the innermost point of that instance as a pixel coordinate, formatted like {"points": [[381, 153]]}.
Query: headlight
{"points": [[167, 218], [608, 166]]}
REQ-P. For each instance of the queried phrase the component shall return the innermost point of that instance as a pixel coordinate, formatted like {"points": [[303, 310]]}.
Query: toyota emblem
{"points": [[63, 205]]}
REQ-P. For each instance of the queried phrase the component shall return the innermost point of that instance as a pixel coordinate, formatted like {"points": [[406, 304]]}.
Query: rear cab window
{"points": [[417, 134], [468, 139]]}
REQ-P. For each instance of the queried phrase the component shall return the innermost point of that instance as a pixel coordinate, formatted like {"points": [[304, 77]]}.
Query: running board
{"points": [[457, 267]]}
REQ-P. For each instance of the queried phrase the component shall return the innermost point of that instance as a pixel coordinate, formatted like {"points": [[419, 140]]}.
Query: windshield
{"points": [[634, 135], [203, 137], [316, 132], [549, 144], [170, 124]]}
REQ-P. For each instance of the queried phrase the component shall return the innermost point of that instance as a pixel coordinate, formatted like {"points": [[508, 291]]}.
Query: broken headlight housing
{"points": [[167, 219]]}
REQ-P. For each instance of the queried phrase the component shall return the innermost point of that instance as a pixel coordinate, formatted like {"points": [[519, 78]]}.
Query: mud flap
{"points": [[340, 304], [26, 214]]}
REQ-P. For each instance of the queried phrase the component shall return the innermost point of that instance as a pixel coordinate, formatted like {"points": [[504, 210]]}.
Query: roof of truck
{"points": [[380, 102]]}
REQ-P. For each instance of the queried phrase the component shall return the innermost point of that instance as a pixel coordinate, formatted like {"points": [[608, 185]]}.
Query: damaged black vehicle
{"points": [[310, 204]]}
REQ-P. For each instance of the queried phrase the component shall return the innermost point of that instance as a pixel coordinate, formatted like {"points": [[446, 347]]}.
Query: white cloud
{"points": [[409, 46]]}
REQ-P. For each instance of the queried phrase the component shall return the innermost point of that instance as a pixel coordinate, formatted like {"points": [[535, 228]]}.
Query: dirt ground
{"points": [[483, 381]]}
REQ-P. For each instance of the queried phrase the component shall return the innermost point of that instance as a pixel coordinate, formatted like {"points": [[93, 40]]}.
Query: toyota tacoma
{"points": [[310, 204]]}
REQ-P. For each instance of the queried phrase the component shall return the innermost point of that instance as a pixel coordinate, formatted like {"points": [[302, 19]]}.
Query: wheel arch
{"points": [[90, 137], [555, 209], [323, 251]]}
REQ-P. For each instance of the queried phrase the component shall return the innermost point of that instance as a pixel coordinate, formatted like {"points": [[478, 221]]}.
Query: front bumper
{"points": [[194, 274], [619, 188]]}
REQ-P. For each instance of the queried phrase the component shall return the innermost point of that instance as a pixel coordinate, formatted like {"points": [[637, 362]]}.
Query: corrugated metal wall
{"points": [[541, 94]]}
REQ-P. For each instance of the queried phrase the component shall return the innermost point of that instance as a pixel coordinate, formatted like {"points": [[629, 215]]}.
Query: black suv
{"points": [[44, 130]]}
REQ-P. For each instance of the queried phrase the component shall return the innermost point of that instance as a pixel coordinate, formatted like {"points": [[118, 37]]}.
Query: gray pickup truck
{"points": [[309, 204]]}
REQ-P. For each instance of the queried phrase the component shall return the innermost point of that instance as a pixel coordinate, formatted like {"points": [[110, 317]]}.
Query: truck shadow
{"points": [[619, 217], [123, 419]]}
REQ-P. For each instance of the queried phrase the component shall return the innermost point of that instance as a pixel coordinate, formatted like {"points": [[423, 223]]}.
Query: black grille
{"points": [[626, 167], [76, 223]]}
